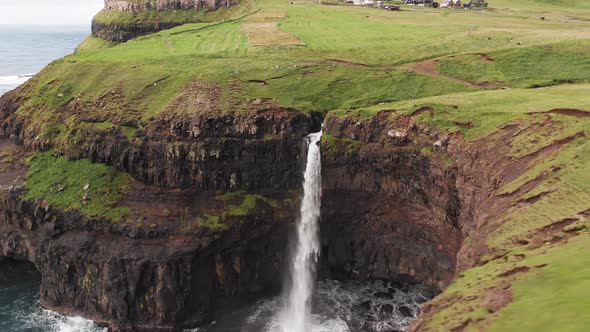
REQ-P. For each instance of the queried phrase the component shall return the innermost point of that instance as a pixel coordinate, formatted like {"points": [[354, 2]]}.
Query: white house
{"points": [[447, 3], [363, 2]]}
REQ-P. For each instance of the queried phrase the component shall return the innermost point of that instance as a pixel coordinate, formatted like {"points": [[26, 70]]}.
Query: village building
{"points": [[451, 4], [447, 4], [363, 2]]}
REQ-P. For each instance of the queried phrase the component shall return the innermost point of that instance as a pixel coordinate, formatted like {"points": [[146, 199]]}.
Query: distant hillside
{"points": [[122, 20]]}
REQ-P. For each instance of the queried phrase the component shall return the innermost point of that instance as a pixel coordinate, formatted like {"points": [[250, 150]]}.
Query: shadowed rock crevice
{"points": [[389, 211]]}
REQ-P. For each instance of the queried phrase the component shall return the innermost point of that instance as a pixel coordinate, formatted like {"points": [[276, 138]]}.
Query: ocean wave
{"points": [[15, 80], [51, 321]]}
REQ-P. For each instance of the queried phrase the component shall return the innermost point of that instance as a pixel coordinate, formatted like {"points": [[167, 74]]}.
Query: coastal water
{"points": [[26, 49], [336, 306], [19, 304]]}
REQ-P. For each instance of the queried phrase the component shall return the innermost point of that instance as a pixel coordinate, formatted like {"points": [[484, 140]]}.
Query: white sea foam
{"points": [[14, 80], [52, 321], [338, 306]]}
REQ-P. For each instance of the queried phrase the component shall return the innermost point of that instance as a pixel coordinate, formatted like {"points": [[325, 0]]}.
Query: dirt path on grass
{"points": [[567, 111], [349, 64], [428, 68], [425, 68]]}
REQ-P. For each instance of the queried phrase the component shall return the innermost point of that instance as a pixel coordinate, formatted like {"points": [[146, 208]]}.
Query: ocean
{"points": [[26, 49], [19, 304]]}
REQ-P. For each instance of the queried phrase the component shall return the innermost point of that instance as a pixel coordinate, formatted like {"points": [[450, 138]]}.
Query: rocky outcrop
{"points": [[209, 151], [232, 152], [152, 282], [122, 31], [398, 200], [10, 125], [159, 276], [390, 212]]}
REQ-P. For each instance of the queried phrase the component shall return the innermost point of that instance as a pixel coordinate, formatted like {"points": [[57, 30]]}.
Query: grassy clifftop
{"points": [[480, 70], [329, 57]]}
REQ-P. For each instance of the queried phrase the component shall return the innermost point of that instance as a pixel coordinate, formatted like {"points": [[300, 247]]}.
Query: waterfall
{"points": [[305, 256]]}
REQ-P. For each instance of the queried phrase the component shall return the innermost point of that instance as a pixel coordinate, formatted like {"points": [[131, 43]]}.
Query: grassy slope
{"points": [[542, 5], [220, 53], [149, 71], [539, 65], [560, 289], [62, 183], [489, 110]]}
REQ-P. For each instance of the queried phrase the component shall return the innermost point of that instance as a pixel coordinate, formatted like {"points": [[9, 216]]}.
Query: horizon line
{"points": [[88, 23]]}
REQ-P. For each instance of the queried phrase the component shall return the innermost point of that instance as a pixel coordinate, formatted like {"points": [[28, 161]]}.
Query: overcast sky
{"points": [[49, 11]]}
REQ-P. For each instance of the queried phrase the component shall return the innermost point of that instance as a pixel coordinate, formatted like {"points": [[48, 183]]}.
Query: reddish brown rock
{"points": [[394, 210]]}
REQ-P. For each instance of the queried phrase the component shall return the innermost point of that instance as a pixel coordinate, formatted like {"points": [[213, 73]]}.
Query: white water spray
{"points": [[304, 260]]}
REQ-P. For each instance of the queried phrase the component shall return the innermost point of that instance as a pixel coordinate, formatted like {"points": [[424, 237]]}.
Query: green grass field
{"points": [[375, 48], [489, 110], [526, 67], [494, 67], [93, 189]]}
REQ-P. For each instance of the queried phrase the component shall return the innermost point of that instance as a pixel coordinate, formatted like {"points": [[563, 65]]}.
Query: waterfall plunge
{"points": [[304, 260]]}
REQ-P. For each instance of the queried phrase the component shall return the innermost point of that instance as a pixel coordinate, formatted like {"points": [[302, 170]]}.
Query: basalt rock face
{"points": [[254, 150], [396, 206], [231, 152], [389, 211], [124, 31], [160, 277], [148, 283], [10, 126]]}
